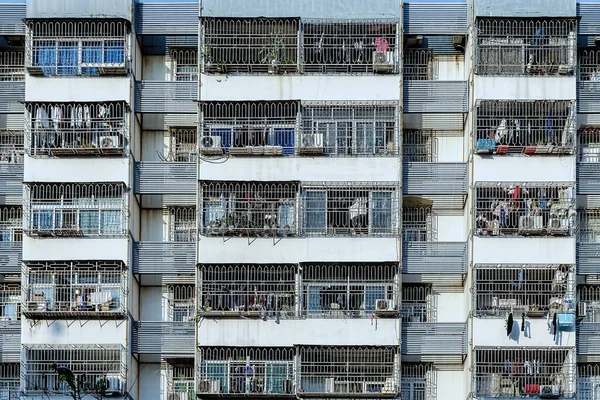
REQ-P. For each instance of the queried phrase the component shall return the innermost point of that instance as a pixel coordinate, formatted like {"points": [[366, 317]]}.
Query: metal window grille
{"points": [[589, 143], [510, 372], [250, 371], [75, 289], [350, 209], [419, 304], [71, 129], [11, 224], [509, 209], [419, 224], [588, 381], [590, 295], [350, 128], [12, 66], [86, 47], [350, 46], [249, 208], [182, 145], [249, 290], [419, 382], [257, 45], [9, 381], [10, 302], [535, 290], [350, 290], [419, 145], [249, 128], [349, 370], [533, 127], [93, 367], [180, 379], [78, 209], [11, 146], [181, 302], [182, 224], [184, 67], [589, 65], [588, 225], [510, 47], [417, 65]]}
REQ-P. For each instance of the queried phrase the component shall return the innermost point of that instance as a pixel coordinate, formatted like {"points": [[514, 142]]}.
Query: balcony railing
{"points": [[78, 48], [94, 367], [94, 290], [164, 258], [12, 66], [536, 290], [524, 209], [10, 380], [521, 47], [533, 372], [419, 381], [182, 145], [76, 129], [589, 304], [417, 65], [74, 210], [11, 236], [529, 127], [419, 303], [587, 380], [180, 378], [10, 301], [11, 146], [439, 342], [169, 338], [184, 64]]}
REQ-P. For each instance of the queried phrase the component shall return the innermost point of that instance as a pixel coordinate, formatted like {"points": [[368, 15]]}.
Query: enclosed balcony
{"points": [[419, 303], [77, 129], [525, 127], [419, 381], [10, 380], [184, 64], [180, 374], [588, 159], [11, 237], [97, 369], [10, 302], [11, 167], [78, 47], [75, 290], [587, 81], [11, 146], [525, 47], [534, 372], [182, 145], [181, 302], [12, 66], [524, 209], [588, 377], [588, 307], [76, 210], [588, 244]]}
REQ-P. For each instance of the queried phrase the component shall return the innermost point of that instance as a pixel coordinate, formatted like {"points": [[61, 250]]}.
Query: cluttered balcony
{"points": [[10, 302], [12, 66], [76, 129], [86, 290], [11, 238], [11, 166], [180, 374]]}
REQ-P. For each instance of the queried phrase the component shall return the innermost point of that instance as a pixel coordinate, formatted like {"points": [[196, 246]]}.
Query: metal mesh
{"points": [[182, 224], [417, 65], [526, 47], [181, 300], [10, 302], [184, 67], [12, 66], [11, 146]]}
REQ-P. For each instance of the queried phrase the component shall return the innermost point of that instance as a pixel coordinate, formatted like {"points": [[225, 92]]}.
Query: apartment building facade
{"points": [[235, 199]]}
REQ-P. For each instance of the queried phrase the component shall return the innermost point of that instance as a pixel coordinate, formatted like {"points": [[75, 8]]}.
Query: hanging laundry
{"points": [[523, 323], [509, 324], [57, 116]]}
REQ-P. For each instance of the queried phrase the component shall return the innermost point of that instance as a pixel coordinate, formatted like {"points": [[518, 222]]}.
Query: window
{"points": [[418, 224], [185, 65], [419, 145]]}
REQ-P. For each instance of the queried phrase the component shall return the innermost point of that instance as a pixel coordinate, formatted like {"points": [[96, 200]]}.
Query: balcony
{"points": [[434, 262], [166, 97], [180, 378], [11, 96], [11, 237], [10, 380], [588, 159], [12, 66], [587, 378], [77, 48], [10, 341], [76, 210], [75, 129], [158, 178], [419, 381], [68, 290], [10, 302], [166, 338], [434, 342], [588, 89]]}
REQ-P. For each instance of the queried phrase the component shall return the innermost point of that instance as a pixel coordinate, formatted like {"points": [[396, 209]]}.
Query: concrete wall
{"points": [[517, 168], [87, 89], [75, 249], [522, 250], [492, 332], [79, 332]]}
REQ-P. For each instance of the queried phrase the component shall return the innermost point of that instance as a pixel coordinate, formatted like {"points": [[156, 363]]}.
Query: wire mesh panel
{"points": [[245, 371], [180, 379], [350, 46], [516, 372], [184, 64], [535, 290], [589, 65], [588, 381], [522, 209], [419, 304], [419, 145], [417, 65], [350, 128], [530, 127], [350, 290], [349, 370], [340, 209], [589, 144], [77, 209], [419, 382], [182, 224], [45, 370], [182, 145], [12, 66], [249, 128], [77, 47], [249, 290], [54, 290], [419, 224], [76, 128], [10, 302], [11, 146], [508, 47], [181, 302], [257, 45], [9, 381]]}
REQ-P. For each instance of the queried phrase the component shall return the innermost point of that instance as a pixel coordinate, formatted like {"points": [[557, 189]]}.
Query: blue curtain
{"points": [[382, 212], [114, 53], [284, 137], [286, 217], [276, 374], [314, 305], [217, 372], [68, 62], [225, 134], [44, 219], [88, 222], [91, 54], [110, 222], [5, 235], [46, 58], [316, 211], [372, 293]]}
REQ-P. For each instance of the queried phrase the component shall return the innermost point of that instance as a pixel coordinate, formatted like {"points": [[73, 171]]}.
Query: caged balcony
{"points": [[75, 210], [11, 237], [417, 65], [588, 159], [184, 64], [182, 145], [11, 146], [525, 47], [181, 302], [524, 209], [588, 380], [10, 302], [180, 379], [419, 381], [532, 372], [10, 381], [528, 127], [419, 304], [96, 368], [76, 129], [77, 47], [88, 290], [534, 290], [12, 66]]}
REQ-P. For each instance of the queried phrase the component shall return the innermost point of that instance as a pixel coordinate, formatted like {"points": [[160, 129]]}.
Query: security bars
{"points": [[181, 302], [182, 224], [12, 66], [588, 375], [534, 290], [509, 47], [180, 379], [589, 65], [417, 65], [589, 301], [530, 127], [418, 382], [524, 209], [9, 381], [589, 144], [71, 129], [182, 145], [418, 303], [184, 64], [76, 209], [11, 225], [531, 371], [419, 224], [77, 47], [11, 146], [10, 302], [419, 145], [588, 225], [54, 290]]}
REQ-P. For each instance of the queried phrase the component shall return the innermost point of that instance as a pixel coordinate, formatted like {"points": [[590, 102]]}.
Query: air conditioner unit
{"points": [[530, 225], [558, 226], [383, 61], [582, 309], [206, 386], [384, 305], [109, 142], [329, 385], [413, 41], [111, 385], [211, 145], [311, 143], [549, 391]]}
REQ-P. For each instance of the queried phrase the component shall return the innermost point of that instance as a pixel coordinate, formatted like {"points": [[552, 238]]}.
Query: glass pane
{"points": [[110, 223], [382, 212], [316, 211], [88, 222]]}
